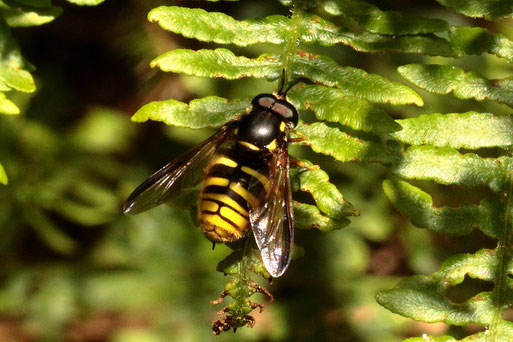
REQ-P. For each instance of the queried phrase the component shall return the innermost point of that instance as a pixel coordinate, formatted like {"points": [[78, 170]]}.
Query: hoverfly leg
{"points": [[300, 137], [303, 165]]}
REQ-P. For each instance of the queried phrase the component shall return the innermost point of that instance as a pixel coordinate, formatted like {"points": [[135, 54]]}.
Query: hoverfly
{"points": [[245, 177]]}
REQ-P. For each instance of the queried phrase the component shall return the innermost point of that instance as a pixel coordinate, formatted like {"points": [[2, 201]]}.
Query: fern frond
{"points": [[210, 111], [446, 165], [476, 40], [443, 79], [469, 130], [372, 19], [488, 9], [418, 206], [333, 105]]}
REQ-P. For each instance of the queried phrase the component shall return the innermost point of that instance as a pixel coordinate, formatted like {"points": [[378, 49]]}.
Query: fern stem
{"points": [[503, 254], [292, 42]]}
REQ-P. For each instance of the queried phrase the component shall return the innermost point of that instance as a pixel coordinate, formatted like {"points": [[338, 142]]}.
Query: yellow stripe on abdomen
{"points": [[242, 192], [240, 221], [216, 181], [225, 161], [226, 200]]}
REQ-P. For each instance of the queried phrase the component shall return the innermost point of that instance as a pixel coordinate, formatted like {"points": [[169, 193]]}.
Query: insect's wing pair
{"points": [[272, 222]]}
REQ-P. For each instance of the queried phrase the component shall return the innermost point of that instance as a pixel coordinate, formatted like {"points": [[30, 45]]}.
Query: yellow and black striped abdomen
{"points": [[226, 197]]}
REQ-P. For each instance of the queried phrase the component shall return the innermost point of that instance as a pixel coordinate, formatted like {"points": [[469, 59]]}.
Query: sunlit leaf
{"points": [[219, 27], [447, 166], [326, 195], [12, 73], [307, 216], [424, 297], [223, 29], [86, 2], [333, 105], [443, 79], [218, 63], [354, 81], [374, 20], [210, 111], [469, 130], [3, 175], [7, 106], [20, 15], [223, 63], [488, 9], [342, 146], [418, 206], [316, 29], [475, 41]]}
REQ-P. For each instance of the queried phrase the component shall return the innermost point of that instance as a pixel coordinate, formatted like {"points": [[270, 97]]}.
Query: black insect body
{"points": [[245, 168]]}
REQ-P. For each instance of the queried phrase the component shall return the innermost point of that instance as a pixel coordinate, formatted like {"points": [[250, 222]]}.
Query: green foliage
{"points": [[383, 22], [14, 69], [448, 167], [488, 9], [437, 149], [3, 175], [469, 130], [443, 79]]}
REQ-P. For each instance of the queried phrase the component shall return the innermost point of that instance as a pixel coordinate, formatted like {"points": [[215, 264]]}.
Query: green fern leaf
{"points": [[308, 216], [223, 29], [7, 106], [86, 2], [443, 79], [488, 9], [333, 105], [475, 41], [418, 206], [316, 29], [372, 19], [469, 130], [342, 146], [447, 166], [219, 27], [12, 69], [423, 297], [224, 63], [353, 81], [210, 111], [218, 63], [3, 175], [326, 195], [28, 13], [427, 45]]}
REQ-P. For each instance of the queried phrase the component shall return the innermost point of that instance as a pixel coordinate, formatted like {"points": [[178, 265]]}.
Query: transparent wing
{"points": [[183, 172], [273, 221]]}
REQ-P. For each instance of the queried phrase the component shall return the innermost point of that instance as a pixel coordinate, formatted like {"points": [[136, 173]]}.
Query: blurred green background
{"points": [[73, 268]]}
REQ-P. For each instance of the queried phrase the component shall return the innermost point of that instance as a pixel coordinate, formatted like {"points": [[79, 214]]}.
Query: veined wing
{"points": [[183, 172], [273, 221]]}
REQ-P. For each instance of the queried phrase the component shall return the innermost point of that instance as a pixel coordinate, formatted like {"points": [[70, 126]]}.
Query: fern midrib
{"points": [[292, 41], [502, 253]]}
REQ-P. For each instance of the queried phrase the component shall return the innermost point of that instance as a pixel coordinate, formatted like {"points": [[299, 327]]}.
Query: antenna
{"points": [[282, 84]]}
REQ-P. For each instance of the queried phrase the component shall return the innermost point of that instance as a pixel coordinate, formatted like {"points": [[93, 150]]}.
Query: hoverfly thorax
{"points": [[266, 125]]}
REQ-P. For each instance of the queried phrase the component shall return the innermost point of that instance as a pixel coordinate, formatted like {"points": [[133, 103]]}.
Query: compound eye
{"points": [[264, 100], [287, 111]]}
